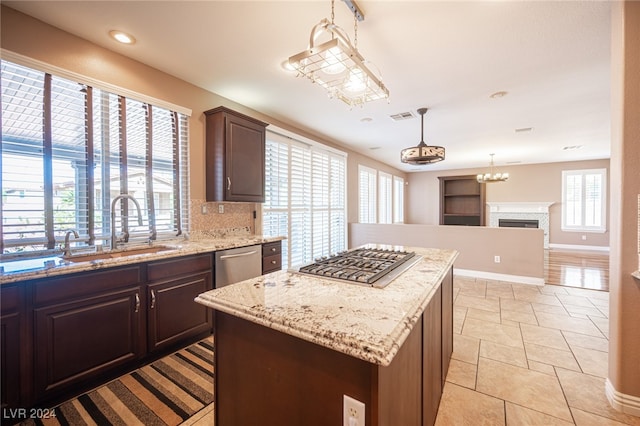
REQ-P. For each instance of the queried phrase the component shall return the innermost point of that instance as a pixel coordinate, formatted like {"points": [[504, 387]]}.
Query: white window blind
{"points": [[584, 200], [305, 199], [398, 200], [68, 149], [385, 198], [367, 194]]}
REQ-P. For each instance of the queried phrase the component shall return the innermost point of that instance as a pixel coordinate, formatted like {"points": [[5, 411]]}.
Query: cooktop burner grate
{"points": [[362, 265]]}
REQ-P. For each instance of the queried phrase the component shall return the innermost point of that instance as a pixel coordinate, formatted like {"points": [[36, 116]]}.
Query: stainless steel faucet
{"points": [[125, 230], [67, 248]]}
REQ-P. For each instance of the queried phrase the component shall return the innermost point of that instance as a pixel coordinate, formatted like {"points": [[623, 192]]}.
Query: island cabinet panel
{"points": [[172, 314], [235, 152], [264, 376], [447, 323], [432, 358], [12, 344]]}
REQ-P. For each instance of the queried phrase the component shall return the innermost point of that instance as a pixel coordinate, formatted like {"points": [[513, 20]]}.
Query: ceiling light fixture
{"points": [[491, 176], [122, 37], [336, 64], [423, 153]]}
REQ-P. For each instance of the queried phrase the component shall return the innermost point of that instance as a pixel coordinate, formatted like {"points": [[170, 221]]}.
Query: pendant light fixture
{"points": [[491, 176], [422, 153], [336, 65]]}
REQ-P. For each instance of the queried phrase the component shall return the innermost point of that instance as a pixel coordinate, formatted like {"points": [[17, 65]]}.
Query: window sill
{"points": [[586, 231], [636, 275]]}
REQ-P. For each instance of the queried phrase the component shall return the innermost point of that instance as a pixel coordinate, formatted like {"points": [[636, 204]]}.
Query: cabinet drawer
{"points": [[82, 284], [269, 249], [181, 266], [271, 263]]}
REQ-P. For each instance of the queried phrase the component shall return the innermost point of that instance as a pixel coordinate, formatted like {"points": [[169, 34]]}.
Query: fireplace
{"points": [[522, 215], [518, 223]]}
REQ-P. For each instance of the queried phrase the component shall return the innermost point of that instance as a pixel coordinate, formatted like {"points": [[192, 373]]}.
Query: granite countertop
{"points": [[29, 269], [364, 322]]}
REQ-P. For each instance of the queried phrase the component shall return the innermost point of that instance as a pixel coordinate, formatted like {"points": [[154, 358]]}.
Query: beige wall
{"points": [[533, 183], [34, 39], [623, 387], [521, 250]]}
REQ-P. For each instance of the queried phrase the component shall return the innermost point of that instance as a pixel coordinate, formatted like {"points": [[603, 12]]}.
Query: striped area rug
{"points": [[166, 392]]}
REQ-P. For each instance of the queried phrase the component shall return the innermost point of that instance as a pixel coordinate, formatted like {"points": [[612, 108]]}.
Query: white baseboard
{"points": [[627, 404], [578, 247], [498, 277]]}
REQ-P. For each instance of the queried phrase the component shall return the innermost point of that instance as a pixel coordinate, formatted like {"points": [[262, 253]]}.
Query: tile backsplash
{"points": [[207, 221]]}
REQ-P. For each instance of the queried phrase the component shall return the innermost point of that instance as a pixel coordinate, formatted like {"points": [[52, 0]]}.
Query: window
{"points": [[367, 189], [385, 204], [398, 200], [69, 148], [584, 200], [305, 199], [387, 189]]}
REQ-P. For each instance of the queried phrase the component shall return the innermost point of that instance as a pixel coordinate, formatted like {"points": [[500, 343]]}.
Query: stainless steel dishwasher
{"points": [[238, 264]]}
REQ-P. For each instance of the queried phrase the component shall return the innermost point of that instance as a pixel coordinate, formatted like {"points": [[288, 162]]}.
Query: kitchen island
{"points": [[289, 347]]}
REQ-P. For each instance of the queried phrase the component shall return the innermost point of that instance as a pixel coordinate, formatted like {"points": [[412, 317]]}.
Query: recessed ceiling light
{"points": [[568, 148], [500, 94], [122, 37]]}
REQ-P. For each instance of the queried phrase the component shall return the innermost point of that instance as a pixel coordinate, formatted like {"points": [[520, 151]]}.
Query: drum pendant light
{"points": [[423, 153]]}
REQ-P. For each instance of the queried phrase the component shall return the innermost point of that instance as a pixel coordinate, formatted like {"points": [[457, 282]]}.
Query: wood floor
{"points": [[577, 269]]}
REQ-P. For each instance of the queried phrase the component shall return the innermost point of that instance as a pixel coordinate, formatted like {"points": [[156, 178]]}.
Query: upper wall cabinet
{"points": [[234, 156]]}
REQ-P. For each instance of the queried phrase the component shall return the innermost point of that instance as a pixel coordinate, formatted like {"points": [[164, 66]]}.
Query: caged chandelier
{"points": [[337, 65], [422, 153], [491, 176]]}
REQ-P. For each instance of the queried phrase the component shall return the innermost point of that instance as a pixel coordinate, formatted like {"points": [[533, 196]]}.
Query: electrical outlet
{"points": [[584, 237], [220, 208], [352, 412], [496, 259], [203, 209]]}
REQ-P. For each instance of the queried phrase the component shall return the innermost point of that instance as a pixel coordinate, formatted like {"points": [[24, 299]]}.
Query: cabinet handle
{"points": [[228, 183], [153, 299], [137, 303], [230, 256], [273, 249], [273, 262]]}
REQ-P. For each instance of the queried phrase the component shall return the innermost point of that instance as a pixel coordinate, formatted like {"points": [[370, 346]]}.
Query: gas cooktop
{"points": [[367, 266]]}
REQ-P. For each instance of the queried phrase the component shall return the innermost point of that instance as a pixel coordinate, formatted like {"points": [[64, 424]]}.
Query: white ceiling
{"points": [[553, 59]]}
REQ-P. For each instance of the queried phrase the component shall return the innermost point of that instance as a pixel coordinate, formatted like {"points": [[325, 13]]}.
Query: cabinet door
{"points": [[84, 337], [244, 160], [10, 346], [173, 315]]}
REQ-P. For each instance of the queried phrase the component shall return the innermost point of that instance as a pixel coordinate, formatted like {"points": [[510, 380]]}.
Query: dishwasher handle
{"points": [[229, 256]]}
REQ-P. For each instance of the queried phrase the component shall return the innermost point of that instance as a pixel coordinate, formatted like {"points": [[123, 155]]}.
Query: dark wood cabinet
{"points": [[447, 323], [294, 381], [432, 358], [12, 344], [235, 155], [462, 201], [172, 314], [84, 326], [271, 257]]}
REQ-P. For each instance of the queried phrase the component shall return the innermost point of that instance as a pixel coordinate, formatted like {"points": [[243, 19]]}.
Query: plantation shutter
{"points": [[385, 203], [305, 200]]}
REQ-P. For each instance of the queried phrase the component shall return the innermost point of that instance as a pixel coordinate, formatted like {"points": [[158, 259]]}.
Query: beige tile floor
{"points": [[523, 355], [528, 355]]}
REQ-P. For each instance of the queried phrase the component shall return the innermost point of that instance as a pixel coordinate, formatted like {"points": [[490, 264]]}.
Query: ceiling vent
{"points": [[402, 116]]}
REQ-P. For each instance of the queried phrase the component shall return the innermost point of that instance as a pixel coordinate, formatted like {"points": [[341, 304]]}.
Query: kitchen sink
{"points": [[116, 254]]}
